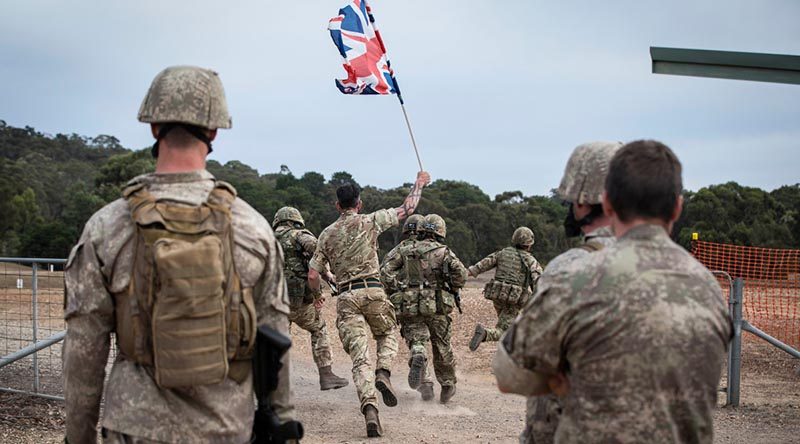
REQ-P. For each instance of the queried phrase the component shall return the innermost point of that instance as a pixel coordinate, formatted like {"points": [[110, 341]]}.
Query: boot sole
{"points": [[335, 386], [389, 397], [415, 373], [477, 338], [427, 394]]}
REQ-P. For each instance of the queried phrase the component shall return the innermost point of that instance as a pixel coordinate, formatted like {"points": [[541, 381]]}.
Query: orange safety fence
{"points": [[771, 299]]}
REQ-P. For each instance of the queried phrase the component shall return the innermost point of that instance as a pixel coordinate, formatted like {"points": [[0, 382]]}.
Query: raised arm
{"points": [[412, 200]]}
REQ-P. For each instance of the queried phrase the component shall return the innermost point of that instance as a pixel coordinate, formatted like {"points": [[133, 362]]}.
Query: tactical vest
{"points": [[184, 315], [512, 279], [420, 295], [295, 267]]}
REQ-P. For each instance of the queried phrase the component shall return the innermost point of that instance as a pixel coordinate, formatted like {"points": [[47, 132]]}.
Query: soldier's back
{"points": [[643, 313]]}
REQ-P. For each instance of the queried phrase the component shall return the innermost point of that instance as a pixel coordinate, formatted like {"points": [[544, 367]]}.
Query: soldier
{"points": [[182, 271], [298, 246], [581, 189], [427, 276], [350, 247], [412, 228], [619, 334], [511, 286]]}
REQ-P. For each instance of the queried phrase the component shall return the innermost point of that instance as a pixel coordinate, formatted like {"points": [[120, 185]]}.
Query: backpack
{"points": [[184, 314], [295, 267]]}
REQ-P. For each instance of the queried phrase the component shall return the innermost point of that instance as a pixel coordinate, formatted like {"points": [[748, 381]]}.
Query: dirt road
{"points": [[770, 411]]}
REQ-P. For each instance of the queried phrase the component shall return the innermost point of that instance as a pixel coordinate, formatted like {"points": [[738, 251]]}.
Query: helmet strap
{"points": [[164, 129], [572, 226]]}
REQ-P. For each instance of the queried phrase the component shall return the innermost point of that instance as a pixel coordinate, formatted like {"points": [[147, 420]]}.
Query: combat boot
{"points": [[328, 380], [384, 385], [448, 391], [417, 370], [426, 390], [477, 337], [373, 422]]}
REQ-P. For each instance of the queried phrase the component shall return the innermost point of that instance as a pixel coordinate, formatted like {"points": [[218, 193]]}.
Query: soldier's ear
{"points": [[212, 134], [608, 210]]}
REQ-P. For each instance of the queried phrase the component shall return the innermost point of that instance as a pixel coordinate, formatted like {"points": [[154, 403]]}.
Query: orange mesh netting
{"points": [[771, 284]]}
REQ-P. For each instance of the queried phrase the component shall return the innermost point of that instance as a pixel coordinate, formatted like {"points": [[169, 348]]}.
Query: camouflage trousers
{"points": [[360, 312], [112, 437], [541, 420], [505, 315], [418, 331], [309, 319]]}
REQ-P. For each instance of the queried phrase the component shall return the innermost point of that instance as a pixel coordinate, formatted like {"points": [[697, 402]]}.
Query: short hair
{"points": [[348, 195], [644, 180]]}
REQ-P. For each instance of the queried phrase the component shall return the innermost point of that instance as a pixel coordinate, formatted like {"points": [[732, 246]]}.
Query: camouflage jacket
{"points": [[628, 326], [514, 266], [440, 266], [99, 267], [298, 246], [387, 283], [350, 245]]}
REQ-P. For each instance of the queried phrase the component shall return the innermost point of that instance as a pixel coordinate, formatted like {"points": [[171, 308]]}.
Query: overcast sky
{"points": [[498, 92]]}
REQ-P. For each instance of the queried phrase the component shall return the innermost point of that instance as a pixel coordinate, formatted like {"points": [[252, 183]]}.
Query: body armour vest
{"points": [[185, 315], [295, 266]]}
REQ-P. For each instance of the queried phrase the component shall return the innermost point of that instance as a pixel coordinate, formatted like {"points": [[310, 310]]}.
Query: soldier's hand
{"points": [[329, 277], [423, 178], [318, 303], [559, 384]]}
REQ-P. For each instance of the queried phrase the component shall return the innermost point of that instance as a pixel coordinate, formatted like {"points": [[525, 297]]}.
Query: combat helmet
{"points": [[287, 213], [585, 175], [434, 224], [189, 97], [523, 236], [413, 224]]}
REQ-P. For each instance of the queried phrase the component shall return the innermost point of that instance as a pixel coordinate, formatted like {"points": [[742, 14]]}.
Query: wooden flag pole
{"points": [[411, 133]]}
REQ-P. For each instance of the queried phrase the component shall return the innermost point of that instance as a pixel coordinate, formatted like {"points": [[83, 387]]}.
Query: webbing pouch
{"points": [[188, 320], [427, 302]]}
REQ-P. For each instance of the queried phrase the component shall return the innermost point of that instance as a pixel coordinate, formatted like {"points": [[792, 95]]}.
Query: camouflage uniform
{"points": [[100, 267], [296, 244], [349, 247], [437, 260], [516, 267], [542, 413], [628, 326]]}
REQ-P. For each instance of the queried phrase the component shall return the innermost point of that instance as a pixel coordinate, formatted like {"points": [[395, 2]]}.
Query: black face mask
{"points": [[572, 226]]}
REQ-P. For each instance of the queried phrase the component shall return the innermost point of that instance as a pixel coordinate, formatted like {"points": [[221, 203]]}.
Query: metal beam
{"points": [[773, 68]]}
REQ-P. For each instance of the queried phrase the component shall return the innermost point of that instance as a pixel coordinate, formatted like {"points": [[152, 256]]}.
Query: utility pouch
{"points": [[188, 325], [446, 302], [427, 302]]}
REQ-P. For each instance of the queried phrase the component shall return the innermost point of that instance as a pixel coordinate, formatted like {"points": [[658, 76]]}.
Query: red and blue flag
{"points": [[354, 33]]}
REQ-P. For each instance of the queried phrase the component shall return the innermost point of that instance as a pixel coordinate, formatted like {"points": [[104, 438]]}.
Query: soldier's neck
{"points": [[598, 222], [621, 228], [181, 160]]}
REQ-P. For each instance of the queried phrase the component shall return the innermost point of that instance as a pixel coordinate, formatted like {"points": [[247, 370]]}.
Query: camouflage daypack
{"points": [[185, 315], [512, 280], [418, 295], [295, 267]]}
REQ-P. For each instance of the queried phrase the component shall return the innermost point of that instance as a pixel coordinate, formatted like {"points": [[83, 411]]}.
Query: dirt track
{"points": [[770, 411]]}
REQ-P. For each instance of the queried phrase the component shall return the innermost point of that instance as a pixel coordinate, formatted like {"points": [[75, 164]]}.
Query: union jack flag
{"points": [[354, 33]]}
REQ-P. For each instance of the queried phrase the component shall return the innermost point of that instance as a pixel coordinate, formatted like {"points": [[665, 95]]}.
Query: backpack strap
{"points": [[591, 246]]}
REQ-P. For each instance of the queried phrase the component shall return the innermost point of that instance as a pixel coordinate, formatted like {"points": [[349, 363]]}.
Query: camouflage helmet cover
{"points": [[186, 94], [413, 224], [287, 213], [585, 175], [435, 224], [522, 236]]}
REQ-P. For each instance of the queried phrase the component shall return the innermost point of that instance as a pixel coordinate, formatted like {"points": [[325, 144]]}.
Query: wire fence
{"points": [[771, 299], [31, 309]]}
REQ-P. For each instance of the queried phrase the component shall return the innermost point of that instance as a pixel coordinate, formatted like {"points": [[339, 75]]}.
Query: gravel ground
{"points": [[769, 411]]}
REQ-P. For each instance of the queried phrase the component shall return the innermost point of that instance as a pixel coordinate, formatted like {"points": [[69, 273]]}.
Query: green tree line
{"points": [[51, 185]]}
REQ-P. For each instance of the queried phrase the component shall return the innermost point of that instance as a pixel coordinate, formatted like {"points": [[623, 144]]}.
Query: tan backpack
{"points": [[185, 315]]}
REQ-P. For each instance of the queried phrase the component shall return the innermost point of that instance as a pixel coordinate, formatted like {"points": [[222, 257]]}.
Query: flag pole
{"points": [[396, 86]]}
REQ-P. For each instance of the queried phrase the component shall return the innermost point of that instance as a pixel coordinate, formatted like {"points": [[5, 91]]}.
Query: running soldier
{"points": [[427, 277], [512, 285], [298, 246], [350, 247], [619, 334], [182, 271], [581, 189]]}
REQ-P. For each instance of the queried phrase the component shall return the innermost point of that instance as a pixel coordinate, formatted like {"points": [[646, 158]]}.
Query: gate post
{"points": [[35, 318], [735, 351]]}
